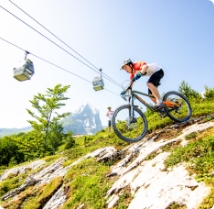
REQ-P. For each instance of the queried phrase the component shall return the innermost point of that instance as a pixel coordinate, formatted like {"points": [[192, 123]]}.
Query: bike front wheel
{"points": [[179, 108], [127, 128]]}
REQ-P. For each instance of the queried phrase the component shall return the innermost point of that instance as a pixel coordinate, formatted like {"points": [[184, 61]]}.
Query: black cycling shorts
{"points": [[109, 123], [155, 79]]}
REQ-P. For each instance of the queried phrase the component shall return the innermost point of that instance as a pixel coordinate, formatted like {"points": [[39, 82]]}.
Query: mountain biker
{"points": [[141, 68], [109, 114]]}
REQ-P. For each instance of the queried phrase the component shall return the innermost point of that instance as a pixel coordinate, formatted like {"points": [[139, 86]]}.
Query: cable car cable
{"points": [[60, 39], [46, 37], [107, 77], [43, 59], [111, 92], [49, 62], [52, 34]]}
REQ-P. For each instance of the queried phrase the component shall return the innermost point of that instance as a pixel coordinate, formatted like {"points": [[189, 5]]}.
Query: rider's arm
{"points": [[144, 69], [107, 113], [136, 77]]}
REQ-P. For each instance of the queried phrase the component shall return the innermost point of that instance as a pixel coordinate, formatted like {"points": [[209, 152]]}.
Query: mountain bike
{"points": [[129, 122]]}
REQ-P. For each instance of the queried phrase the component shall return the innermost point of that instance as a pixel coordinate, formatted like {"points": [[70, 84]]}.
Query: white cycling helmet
{"points": [[126, 62]]}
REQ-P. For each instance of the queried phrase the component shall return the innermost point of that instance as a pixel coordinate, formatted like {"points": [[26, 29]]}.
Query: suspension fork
{"points": [[132, 119]]}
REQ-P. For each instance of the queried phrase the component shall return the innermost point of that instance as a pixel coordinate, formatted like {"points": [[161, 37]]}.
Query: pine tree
{"points": [[187, 91], [209, 93]]}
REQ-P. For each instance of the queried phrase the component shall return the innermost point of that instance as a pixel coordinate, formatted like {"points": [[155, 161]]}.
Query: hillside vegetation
{"points": [[86, 182]]}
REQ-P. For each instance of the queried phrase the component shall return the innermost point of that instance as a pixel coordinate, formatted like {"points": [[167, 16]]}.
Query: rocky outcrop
{"points": [[48, 173], [22, 169], [146, 180], [30, 181], [149, 180]]}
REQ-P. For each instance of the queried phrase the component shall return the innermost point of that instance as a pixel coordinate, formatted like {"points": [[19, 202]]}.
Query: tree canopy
{"points": [[46, 124]]}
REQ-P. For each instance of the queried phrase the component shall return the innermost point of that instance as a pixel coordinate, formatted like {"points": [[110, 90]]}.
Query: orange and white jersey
{"points": [[152, 68]]}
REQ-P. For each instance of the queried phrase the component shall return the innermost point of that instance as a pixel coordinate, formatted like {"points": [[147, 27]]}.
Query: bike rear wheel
{"points": [[129, 129], [182, 110]]}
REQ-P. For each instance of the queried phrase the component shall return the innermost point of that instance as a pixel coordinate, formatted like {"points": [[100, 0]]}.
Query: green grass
{"points": [[38, 199], [124, 199], [102, 139], [175, 205], [86, 183], [202, 108], [50, 159], [35, 198], [199, 155], [191, 136], [11, 183], [198, 152], [2, 169]]}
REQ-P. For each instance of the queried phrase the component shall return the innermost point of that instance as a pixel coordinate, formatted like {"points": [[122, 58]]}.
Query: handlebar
{"points": [[129, 87], [124, 93]]}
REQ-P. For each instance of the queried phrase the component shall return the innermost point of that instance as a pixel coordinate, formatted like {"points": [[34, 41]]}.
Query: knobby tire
{"points": [[181, 114], [129, 132]]}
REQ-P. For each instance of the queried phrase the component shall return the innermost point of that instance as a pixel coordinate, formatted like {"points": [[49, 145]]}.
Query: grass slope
{"points": [[86, 183]]}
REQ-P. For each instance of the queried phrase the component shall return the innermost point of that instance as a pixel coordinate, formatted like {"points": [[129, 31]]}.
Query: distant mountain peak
{"points": [[85, 120], [85, 107]]}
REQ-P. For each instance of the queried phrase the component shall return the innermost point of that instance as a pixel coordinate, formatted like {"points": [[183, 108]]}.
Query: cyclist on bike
{"points": [[141, 68]]}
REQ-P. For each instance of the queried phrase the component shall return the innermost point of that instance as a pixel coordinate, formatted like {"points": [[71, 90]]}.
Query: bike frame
{"points": [[134, 94]]}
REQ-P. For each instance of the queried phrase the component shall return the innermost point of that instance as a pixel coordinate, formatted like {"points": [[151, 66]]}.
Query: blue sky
{"points": [[178, 35]]}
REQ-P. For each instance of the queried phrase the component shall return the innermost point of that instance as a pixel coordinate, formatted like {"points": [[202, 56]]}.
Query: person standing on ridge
{"points": [[109, 114], [155, 73]]}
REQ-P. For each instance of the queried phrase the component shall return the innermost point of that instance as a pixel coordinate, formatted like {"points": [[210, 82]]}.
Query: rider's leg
{"points": [[152, 84], [109, 126], [157, 100], [152, 98]]}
